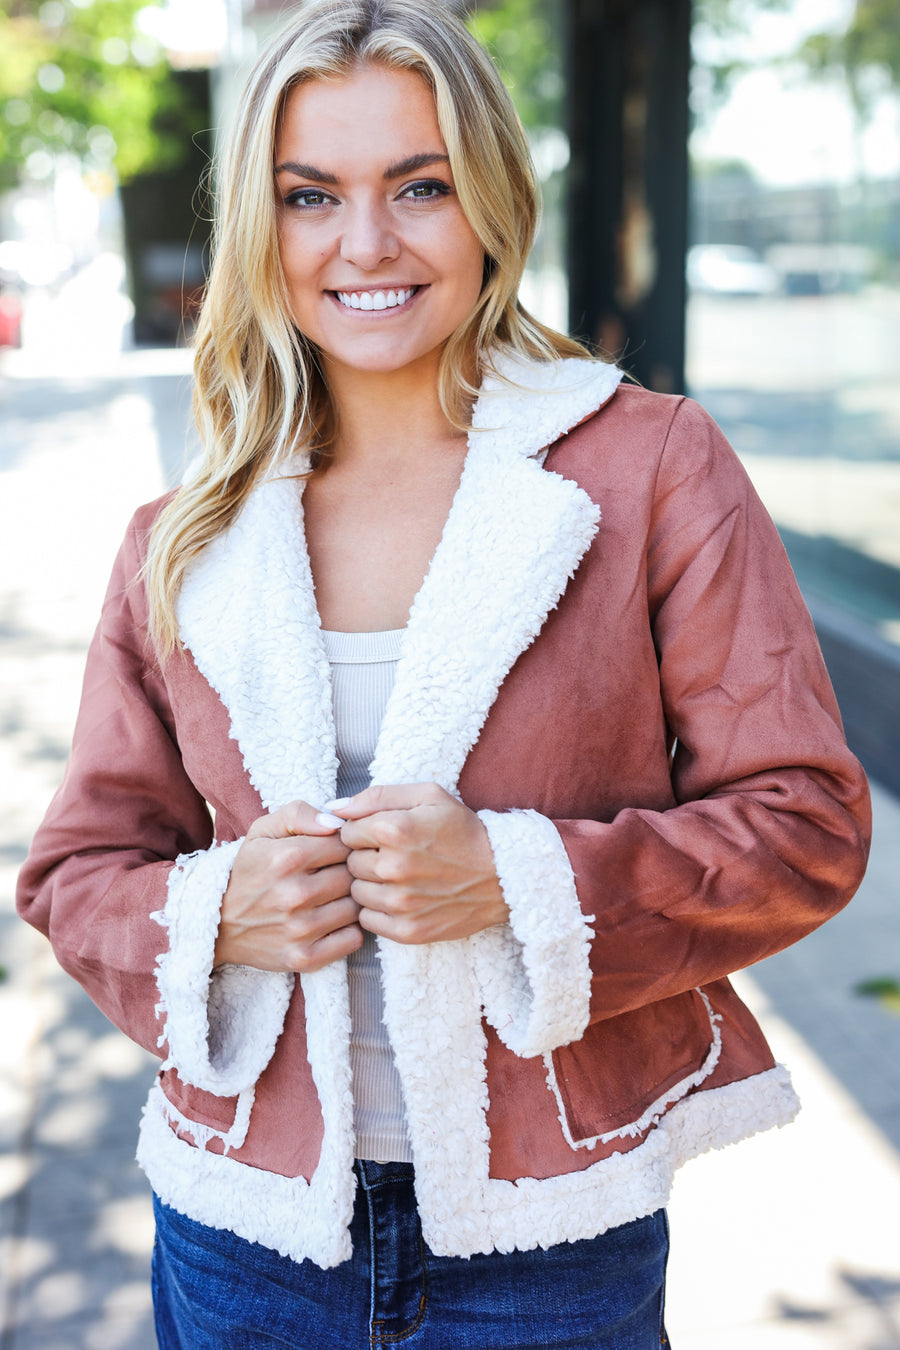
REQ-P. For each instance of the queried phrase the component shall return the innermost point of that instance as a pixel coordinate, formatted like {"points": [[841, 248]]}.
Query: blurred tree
{"points": [[866, 53], [729, 17], [524, 37], [81, 77], [718, 27]]}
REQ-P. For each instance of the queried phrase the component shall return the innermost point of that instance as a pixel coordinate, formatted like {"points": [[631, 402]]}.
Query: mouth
{"points": [[376, 300]]}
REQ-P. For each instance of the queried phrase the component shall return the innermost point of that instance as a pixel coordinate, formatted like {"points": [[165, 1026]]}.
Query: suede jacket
{"points": [[610, 661]]}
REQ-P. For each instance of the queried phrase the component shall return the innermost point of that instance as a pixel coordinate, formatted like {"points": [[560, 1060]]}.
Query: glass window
{"points": [[794, 280]]}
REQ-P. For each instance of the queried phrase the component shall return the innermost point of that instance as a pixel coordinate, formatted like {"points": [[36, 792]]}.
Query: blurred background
{"points": [[721, 185]]}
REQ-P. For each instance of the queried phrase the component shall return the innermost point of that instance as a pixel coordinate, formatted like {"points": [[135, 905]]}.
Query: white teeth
{"points": [[370, 300]]}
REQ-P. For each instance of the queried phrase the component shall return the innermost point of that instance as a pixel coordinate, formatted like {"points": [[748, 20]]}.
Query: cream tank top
{"points": [[362, 677]]}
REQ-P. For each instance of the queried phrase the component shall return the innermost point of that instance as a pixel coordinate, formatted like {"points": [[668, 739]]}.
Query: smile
{"points": [[375, 299]]}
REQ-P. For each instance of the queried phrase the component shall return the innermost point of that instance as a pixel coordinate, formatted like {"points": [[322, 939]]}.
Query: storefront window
{"points": [[794, 275]]}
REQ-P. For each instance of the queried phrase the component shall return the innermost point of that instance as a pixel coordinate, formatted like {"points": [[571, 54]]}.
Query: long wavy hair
{"points": [[259, 392]]}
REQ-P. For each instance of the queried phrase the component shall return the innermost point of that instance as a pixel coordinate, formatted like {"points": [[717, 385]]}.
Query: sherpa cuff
{"points": [[221, 1026], [534, 972]]}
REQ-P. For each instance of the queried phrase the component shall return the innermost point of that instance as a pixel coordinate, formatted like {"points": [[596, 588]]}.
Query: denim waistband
{"points": [[374, 1174]]}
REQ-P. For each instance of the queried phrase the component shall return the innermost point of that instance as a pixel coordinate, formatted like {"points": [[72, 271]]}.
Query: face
{"points": [[380, 262]]}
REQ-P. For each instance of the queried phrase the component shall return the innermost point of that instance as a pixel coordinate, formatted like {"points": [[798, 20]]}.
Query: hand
{"points": [[287, 906], [421, 862]]}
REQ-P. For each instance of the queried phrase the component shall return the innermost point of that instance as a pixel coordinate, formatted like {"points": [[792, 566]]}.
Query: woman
{"points": [[606, 764]]}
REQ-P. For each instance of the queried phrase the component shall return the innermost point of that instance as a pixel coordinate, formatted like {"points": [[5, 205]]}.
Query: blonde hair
{"points": [[259, 393]]}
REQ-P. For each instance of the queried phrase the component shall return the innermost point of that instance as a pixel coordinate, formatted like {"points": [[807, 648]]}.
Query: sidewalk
{"points": [[790, 1242]]}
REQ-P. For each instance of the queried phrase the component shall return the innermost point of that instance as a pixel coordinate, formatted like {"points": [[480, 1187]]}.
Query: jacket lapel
{"points": [[247, 612], [514, 536]]}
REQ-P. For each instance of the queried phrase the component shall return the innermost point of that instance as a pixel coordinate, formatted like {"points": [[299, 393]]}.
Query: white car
{"points": [[729, 269]]}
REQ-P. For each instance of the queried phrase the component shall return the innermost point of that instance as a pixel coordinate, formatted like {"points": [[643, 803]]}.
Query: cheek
{"points": [[473, 268], [471, 264]]}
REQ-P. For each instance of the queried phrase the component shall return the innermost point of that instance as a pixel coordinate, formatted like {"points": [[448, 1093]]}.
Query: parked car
{"points": [[822, 269], [10, 319], [729, 269]]}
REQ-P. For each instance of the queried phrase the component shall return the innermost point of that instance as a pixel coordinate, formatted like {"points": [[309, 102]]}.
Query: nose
{"points": [[369, 237]]}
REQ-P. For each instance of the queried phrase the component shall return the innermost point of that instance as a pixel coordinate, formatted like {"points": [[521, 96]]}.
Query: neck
{"points": [[387, 416]]}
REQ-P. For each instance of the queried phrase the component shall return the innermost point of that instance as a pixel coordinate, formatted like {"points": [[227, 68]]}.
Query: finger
{"points": [[378, 896], [309, 926], [297, 895], [404, 928], [328, 884], [301, 854], [385, 797], [332, 947], [366, 864], [312, 924], [297, 818], [397, 830]]}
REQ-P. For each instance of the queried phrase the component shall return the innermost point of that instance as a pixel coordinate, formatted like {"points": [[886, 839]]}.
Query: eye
{"points": [[308, 198], [427, 190]]}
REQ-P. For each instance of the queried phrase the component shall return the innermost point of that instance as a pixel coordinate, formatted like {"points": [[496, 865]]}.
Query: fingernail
{"points": [[337, 805], [332, 822]]}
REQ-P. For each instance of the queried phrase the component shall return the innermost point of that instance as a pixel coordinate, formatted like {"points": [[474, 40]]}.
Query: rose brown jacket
{"points": [[610, 661]]}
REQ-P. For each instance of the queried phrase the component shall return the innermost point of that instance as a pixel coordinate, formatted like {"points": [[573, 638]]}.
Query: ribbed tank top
{"points": [[362, 677]]}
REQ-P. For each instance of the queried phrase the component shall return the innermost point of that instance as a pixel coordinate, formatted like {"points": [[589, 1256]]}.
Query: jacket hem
{"points": [[298, 1218]]}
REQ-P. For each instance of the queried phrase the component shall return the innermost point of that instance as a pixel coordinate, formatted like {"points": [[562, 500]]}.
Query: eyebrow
{"points": [[398, 169], [401, 167]]}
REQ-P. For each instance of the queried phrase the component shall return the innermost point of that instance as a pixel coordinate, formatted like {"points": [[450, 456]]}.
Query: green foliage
{"points": [[882, 987], [719, 30], [730, 18], [867, 53], [524, 38], [79, 77]]}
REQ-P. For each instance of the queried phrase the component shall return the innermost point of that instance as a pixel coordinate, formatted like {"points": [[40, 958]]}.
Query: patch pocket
{"points": [[204, 1119], [624, 1074]]}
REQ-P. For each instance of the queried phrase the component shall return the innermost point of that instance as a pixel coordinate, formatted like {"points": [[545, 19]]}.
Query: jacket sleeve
{"points": [[768, 830], [123, 875]]}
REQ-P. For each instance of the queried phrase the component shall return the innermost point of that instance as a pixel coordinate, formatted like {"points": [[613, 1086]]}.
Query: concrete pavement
{"points": [[789, 1242]]}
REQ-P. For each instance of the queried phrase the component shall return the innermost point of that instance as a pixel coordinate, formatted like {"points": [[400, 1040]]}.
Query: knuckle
{"points": [[395, 831], [390, 866], [292, 895], [282, 864], [300, 956], [403, 899], [406, 930], [298, 931], [355, 863]]}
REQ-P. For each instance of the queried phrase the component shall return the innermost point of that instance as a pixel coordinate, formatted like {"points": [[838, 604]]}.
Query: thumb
{"points": [[297, 818]]}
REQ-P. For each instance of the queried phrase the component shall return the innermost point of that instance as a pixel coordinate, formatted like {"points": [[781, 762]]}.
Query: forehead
{"points": [[372, 111]]}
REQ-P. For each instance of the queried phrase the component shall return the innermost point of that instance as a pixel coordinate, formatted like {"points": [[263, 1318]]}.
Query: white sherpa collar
{"points": [[524, 406], [514, 537]]}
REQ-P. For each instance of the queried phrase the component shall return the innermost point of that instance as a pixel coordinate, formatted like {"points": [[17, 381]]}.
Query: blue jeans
{"points": [[214, 1291]]}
